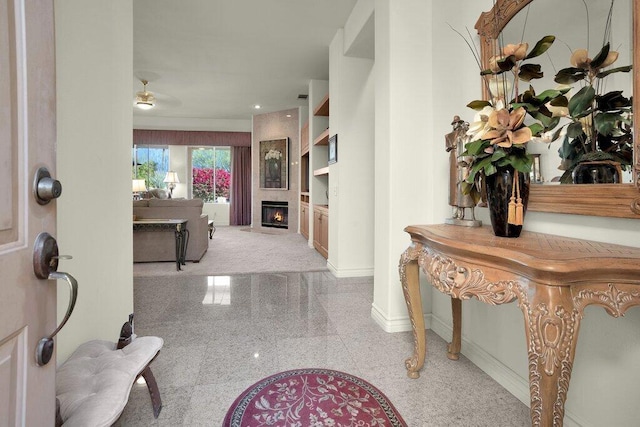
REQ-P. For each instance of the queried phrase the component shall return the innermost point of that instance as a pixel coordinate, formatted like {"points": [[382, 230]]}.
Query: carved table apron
{"points": [[553, 278]]}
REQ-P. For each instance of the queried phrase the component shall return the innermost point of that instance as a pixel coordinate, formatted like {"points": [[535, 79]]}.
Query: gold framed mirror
{"points": [[609, 200]]}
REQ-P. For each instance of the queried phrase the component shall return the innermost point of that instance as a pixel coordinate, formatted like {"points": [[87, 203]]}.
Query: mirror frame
{"points": [[609, 200]]}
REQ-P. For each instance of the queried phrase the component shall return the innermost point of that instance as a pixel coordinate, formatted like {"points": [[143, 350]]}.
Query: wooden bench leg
{"points": [[156, 400]]}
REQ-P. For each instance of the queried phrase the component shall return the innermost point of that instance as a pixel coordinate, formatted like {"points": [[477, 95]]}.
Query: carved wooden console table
{"points": [[553, 278]]}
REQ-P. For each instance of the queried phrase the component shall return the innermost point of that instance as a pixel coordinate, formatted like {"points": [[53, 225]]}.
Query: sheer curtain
{"points": [[240, 209]]}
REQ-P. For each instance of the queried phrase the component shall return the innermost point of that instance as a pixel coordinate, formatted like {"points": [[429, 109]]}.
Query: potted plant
{"points": [[598, 142], [500, 133]]}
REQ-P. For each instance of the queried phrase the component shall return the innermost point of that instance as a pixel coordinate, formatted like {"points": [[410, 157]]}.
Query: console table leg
{"points": [[453, 349], [409, 273], [552, 326]]}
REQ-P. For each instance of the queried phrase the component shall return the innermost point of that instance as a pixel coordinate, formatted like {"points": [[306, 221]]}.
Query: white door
{"points": [[27, 143]]}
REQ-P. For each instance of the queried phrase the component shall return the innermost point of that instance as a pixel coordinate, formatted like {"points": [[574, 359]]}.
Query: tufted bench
{"points": [[93, 385]]}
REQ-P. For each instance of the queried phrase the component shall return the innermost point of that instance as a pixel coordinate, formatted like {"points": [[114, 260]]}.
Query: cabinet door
{"points": [[320, 232], [324, 234], [304, 220]]}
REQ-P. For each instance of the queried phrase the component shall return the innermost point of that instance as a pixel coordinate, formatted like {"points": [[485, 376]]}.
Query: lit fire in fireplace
{"points": [[278, 217]]}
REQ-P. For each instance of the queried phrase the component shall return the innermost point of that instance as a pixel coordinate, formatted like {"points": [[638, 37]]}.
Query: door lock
{"points": [[45, 188]]}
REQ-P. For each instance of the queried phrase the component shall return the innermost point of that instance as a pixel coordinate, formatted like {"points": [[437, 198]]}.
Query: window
{"points": [[151, 163], [211, 174]]}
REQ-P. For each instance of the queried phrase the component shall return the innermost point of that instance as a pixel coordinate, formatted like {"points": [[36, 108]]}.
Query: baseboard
{"points": [[395, 324], [502, 374], [354, 272]]}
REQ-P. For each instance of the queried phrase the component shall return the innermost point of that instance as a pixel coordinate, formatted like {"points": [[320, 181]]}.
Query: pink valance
{"points": [[193, 138]]}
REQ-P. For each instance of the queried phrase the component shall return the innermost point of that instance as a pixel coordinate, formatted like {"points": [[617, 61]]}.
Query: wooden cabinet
{"points": [[321, 229], [304, 219]]}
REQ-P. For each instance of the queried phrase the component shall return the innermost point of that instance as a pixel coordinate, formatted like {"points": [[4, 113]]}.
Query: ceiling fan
{"points": [[145, 100]]}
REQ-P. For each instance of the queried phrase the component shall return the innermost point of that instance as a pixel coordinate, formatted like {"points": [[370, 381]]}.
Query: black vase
{"points": [[597, 172], [499, 190]]}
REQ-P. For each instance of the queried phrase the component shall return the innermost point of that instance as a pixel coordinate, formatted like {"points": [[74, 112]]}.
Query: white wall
{"points": [[94, 50], [218, 212], [351, 195], [424, 75], [407, 171]]}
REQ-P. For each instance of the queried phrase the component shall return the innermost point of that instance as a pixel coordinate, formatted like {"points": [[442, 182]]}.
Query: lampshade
{"points": [[171, 178], [138, 185]]}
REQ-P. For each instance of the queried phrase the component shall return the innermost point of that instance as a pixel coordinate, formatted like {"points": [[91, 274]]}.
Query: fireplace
{"points": [[275, 214]]}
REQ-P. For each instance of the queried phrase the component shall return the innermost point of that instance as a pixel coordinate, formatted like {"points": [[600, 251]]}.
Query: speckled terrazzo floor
{"points": [[224, 333]]}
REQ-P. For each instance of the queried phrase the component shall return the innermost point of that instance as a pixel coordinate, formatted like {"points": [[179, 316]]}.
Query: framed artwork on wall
{"points": [[333, 149], [274, 161]]}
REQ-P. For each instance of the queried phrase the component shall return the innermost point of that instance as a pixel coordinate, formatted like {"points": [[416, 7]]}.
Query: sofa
{"points": [[153, 246]]}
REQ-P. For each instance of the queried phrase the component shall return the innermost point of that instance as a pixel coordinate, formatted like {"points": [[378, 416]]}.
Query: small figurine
{"points": [[459, 167]]}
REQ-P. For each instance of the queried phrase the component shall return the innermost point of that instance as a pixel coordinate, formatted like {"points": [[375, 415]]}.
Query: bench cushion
{"points": [[93, 385]]}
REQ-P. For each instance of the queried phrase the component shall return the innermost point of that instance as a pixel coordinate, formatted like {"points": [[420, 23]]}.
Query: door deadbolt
{"points": [[45, 188]]}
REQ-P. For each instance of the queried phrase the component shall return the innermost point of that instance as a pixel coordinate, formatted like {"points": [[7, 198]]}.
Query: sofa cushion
{"points": [[182, 203], [93, 385], [140, 203]]}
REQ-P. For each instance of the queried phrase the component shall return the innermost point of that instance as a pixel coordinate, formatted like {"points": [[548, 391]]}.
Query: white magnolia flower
{"points": [[480, 125], [273, 154]]}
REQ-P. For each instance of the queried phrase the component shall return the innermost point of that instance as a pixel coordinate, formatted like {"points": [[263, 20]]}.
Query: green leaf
{"points": [[561, 101], [581, 101], [612, 101], [600, 57], [625, 69], [567, 177], [552, 95], [574, 130], [478, 104], [606, 123], [475, 148], [570, 75], [497, 155], [529, 72], [507, 64], [521, 164], [536, 128], [490, 169], [541, 47]]}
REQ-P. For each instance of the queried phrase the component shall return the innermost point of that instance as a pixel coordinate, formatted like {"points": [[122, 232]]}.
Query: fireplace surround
{"points": [[275, 214]]}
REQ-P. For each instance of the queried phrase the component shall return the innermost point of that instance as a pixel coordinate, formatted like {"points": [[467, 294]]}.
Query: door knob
{"points": [[45, 188], [44, 350], [45, 265]]}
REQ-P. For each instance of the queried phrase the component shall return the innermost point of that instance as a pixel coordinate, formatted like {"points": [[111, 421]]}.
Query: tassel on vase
{"points": [[511, 215], [519, 206]]}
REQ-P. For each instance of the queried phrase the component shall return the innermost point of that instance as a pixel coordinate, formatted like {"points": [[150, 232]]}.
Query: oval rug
{"points": [[312, 397]]}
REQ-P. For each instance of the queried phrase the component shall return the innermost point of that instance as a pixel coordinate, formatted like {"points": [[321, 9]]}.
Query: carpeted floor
{"points": [[270, 253]]}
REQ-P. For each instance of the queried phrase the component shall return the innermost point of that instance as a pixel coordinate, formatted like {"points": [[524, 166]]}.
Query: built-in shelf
{"points": [[321, 171], [322, 139], [304, 197], [322, 109]]}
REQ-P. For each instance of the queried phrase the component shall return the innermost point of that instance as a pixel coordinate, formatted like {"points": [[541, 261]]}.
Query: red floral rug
{"points": [[312, 397]]}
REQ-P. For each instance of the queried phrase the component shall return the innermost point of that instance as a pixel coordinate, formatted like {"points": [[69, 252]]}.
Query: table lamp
{"points": [[171, 179], [138, 187]]}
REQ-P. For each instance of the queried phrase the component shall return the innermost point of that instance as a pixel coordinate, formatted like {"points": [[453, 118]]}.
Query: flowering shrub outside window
{"points": [[211, 174]]}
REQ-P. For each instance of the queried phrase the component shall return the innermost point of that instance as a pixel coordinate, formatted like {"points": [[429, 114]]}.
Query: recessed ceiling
{"points": [[217, 59]]}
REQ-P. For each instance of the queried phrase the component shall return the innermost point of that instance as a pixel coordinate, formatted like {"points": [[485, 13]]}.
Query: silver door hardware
{"points": [[45, 188], [45, 264]]}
